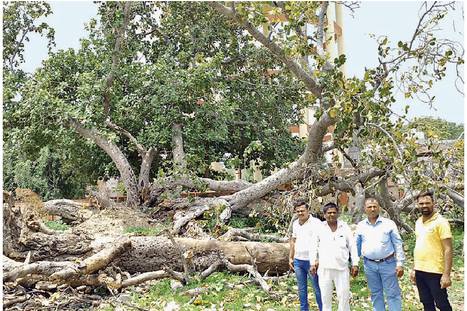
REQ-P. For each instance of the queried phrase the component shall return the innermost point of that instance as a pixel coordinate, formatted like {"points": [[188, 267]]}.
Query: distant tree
{"points": [[437, 128]]}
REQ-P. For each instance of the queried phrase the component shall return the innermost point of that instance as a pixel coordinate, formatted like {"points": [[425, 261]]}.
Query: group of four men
{"points": [[321, 251]]}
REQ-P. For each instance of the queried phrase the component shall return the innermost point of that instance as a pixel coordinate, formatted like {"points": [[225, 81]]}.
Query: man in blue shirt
{"points": [[380, 244]]}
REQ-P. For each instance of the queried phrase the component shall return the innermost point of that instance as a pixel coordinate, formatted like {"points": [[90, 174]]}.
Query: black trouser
{"points": [[430, 291]]}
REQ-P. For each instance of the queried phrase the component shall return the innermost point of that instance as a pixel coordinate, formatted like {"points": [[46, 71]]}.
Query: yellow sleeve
{"points": [[444, 230]]}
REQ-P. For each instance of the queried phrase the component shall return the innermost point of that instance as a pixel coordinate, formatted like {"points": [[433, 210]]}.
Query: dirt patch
{"points": [[113, 222]]}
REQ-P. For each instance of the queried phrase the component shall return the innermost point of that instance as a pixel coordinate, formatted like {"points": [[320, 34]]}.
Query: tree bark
{"points": [[216, 185], [359, 203], [145, 169], [155, 253], [117, 156], [70, 211], [147, 155], [177, 146], [390, 207], [455, 196]]}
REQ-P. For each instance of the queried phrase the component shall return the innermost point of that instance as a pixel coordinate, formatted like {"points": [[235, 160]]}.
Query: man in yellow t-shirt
{"points": [[432, 256]]}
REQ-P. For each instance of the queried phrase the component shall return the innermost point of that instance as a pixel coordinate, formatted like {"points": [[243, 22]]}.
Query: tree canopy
{"points": [[168, 87]]}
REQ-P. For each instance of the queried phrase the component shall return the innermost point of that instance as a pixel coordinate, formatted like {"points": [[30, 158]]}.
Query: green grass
{"points": [[137, 230], [226, 291], [57, 225]]}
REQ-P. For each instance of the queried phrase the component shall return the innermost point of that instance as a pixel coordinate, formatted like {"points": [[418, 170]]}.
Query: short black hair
{"points": [[427, 193], [330, 205], [300, 203], [371, 197]]}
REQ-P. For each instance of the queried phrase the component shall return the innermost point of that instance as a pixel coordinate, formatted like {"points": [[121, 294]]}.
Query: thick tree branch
{"points": [[250, 269], [117, 156], [147, 156], [309, 82], [39, 267], [177, 146], [141, 149], [321, 25], [455, 196], [203, 183], [390, 207]]}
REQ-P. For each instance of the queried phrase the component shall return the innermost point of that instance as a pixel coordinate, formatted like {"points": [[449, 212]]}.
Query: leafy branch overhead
{"points": [[161, 90]]}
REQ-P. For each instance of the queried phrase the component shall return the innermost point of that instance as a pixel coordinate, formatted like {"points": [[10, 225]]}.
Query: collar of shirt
{"points": [[432, 218], [339, 225], [309, 220], [379, 219]]}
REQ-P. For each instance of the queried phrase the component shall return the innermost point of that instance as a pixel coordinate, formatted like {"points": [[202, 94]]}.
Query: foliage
{"points": [[437, 128], [146, 66], [217, 89], [20, 19], [50, 175], [57, 225]]}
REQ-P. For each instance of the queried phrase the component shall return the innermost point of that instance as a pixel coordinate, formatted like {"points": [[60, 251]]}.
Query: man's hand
{"points": [[354, 271], [291, 264], [313, 269], [412, 276], [399, 271], [445, 281]]}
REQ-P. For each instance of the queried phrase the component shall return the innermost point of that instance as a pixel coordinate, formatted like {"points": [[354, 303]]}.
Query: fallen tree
{"points": [[63, 258]]}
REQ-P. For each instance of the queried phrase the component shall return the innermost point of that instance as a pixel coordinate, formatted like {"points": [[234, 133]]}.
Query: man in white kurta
{"points": [[335, 245]]}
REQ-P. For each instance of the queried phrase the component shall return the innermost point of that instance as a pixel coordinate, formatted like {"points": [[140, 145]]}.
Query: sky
{"points": [[396, 19]]}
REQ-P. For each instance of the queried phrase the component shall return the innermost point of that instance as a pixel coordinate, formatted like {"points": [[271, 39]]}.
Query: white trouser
{"points": [[341, 280]]}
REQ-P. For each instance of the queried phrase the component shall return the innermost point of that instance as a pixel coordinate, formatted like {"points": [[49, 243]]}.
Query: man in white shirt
{"points": [[334, 241], [299, 257]]}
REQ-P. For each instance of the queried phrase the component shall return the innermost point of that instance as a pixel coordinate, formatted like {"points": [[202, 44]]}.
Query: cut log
{"points": [[154, 253], [23, 232], [95, 262], [70, 211], [57, 246]]}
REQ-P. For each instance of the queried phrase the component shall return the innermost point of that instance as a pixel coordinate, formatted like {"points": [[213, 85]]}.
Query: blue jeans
{"points": [[302, 272], [382, 277]]}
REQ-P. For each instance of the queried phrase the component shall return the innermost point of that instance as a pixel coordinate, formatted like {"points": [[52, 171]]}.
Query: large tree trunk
{"points": [[177, 146], [145, 170], [155, 253], [455, 196], [117, 156]]}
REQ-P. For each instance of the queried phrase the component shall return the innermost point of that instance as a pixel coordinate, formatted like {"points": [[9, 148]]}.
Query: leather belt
{"points": [[381, 260]]}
